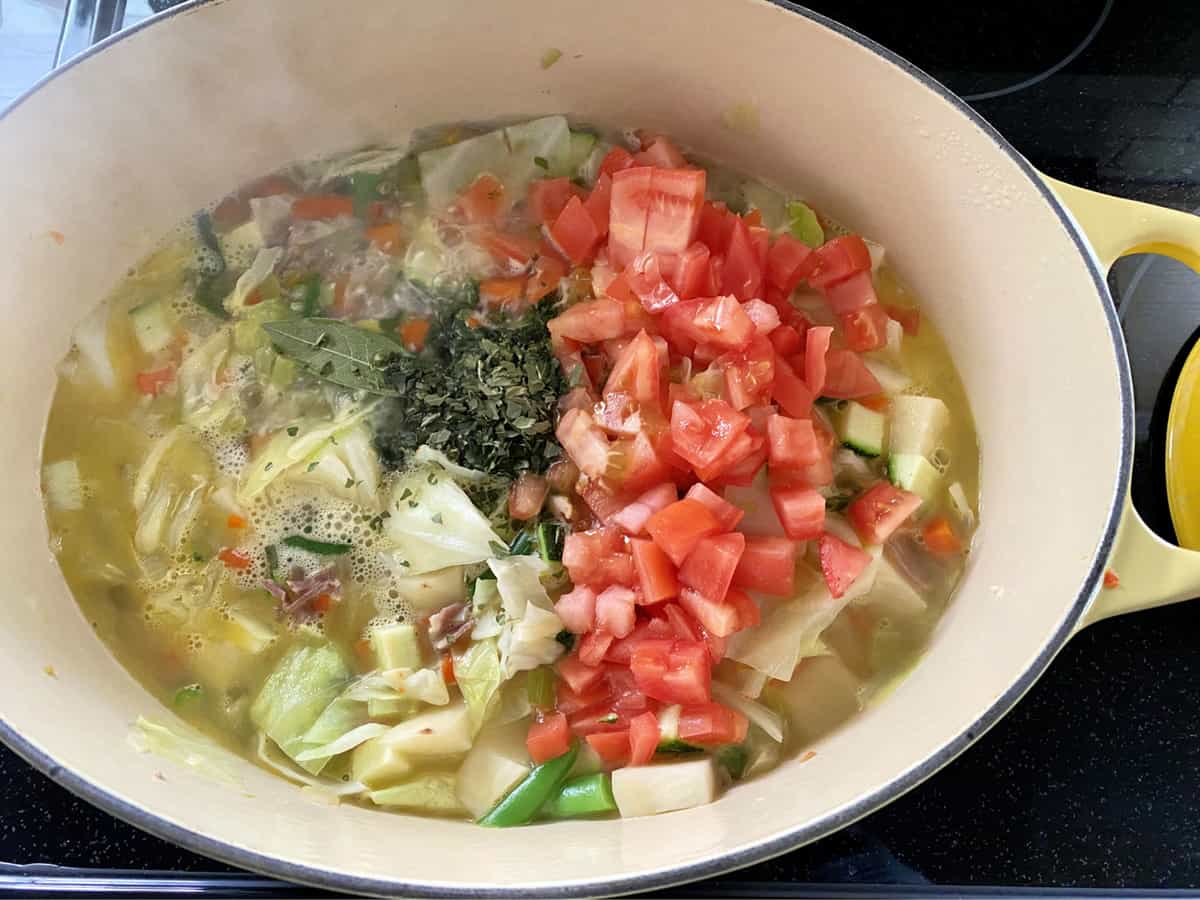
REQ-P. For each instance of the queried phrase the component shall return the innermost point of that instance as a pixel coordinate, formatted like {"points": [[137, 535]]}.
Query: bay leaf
{"points": [[337, 351]]}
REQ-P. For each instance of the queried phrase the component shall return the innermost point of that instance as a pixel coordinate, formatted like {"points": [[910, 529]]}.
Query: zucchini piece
{"points": [[153, 325], [396, 647], [917, 424], [860, 429], [913, 473]]}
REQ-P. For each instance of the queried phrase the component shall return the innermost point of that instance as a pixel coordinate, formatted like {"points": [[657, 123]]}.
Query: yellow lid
{"points": [[1183, 453]]}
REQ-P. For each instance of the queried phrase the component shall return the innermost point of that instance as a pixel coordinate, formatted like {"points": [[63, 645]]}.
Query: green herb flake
{"points": [[550, 57], [437, 518], [293, 430], [312, 465], [541, 162], [187, 694]]}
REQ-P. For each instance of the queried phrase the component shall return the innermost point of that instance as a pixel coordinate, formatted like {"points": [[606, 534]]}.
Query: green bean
{"points": [[587, 795], [524, 801]]}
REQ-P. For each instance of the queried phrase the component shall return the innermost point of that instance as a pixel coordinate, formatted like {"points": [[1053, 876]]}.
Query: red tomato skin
{"points": [[547, 197], [717, 617], [575, 232], [711, 724], [880, 510], [865, 328], [709, 568], [643, 738], [589, 322], [742, 275], [850, 294], [768, 565], [727, 514], [627, 214], [841, 563], [786, 340], [790, 391], [578, 676], [656, 573], [598, 203], [672, 671], [611, 746], [548, 736], [792, 443], [789, 262], [748, 615], [593, 646], [678, 528], [801, 511], [673, 209], [838, 259], [618, 158], [847, 376], [815, 350]]}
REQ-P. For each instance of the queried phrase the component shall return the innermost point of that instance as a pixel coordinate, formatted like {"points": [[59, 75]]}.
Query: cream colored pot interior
{"points": [[117, 149]]}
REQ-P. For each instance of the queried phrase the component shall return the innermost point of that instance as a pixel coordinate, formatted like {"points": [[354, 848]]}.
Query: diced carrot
{"points": [[322, 603], [152, 383], [322, 206], [235, 521], [448, 669], [362, 649], [1111, 579], [254, 298], [481, 201], [234, 559], [877, 402], [387, 238], [339, 293], [413, 333], [754, 217], [940, 537], [503, 293]]}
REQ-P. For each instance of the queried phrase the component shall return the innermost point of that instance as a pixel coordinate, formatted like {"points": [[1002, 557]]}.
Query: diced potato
{"points": [[375, 763], [248, 632], [396, 647], [445, 731], [218, 665], [648, 790], [497, 762]]}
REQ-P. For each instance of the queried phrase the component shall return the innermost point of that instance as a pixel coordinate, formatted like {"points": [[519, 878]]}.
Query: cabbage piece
{"points": [[271, 215], [478, 673], [303, 684], [530, 143], [485, 609], [430, 793], [200, 395], [169, 490], [91, 343], [789, 632], [286, 450], [372, 162], [270, 756], [758, 714], [264, 265], [349, 468], [320, 755], [182, 745], [433, 524], [528, 638]]}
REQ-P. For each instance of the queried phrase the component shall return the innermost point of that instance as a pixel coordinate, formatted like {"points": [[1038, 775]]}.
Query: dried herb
{"points": [[337, 351], [216, 281]]}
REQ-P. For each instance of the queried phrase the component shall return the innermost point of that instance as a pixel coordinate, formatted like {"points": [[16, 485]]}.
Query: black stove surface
{"points": [[1091, 782]]}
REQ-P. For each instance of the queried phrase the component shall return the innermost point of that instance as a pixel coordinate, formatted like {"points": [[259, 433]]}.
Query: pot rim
{"points": [[802, 834]]}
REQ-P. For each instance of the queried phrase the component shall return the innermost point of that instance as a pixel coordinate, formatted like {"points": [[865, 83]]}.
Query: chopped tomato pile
{"points": [[692, 371]]}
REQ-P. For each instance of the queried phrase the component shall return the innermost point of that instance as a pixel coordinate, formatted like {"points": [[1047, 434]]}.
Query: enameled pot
{"points": [[117, 147]]}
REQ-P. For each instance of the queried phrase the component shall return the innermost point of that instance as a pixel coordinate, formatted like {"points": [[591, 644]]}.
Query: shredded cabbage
{"points": [[528, 638], [296, 694], [264, 264], [433, 524], [273, 759], [183, 746], [478, 673], [788, 633], [198, 389], [758, 714], [349, 468]]}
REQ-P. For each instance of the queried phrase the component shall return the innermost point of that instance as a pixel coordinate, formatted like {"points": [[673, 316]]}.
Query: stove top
{"points": [[1090, 782]]}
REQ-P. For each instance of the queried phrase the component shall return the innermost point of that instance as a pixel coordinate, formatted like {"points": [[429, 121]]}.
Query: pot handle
{"points": [[1144, 570]]}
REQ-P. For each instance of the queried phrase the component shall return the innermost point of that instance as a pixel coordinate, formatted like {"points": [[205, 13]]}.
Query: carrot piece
{"points": [[413, 333], [448, 669], [322, 604], [235, 521], [754, 217], [234, 559], [322, 206], [503, 293], [877, 402], [1111, 579], [481, 201], [940, 537], [386, 237], [152, 383]]}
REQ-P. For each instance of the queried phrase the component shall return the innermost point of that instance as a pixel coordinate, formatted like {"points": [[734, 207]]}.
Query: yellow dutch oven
{"points": [[1011, 270]]}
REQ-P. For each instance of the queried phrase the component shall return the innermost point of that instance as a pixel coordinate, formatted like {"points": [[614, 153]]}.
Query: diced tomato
{"points": [[571, 702], [791, 443], [615, 160], [413, 332], [584, 442], [847, 376], [748, 614], [619, 289], [703, 432], [1111, 579], [815, 351], [940, 537], [593, 646], [388, 237], [789, 261], [577, 675], [503, 293], [154, 382], [635, 464], [656, 572], [621, 652], [613, 569], [841, 563], [743, 471], [790, 391], [712, 724], [742, 275], [627, 697], [661, 153], [322, 206], [821, 472], [481, 202], [801, 511], [643, 738], [598, 202], [548, 198], [691, 272], [632, 519], [909, 317], [760, 240], [865, 328], [512, 252], [672, 671], [726, 513], [611, 746], [722, 323], [575, 232], [764, 316], [548, 736], [880, 511], [615, 611], [717, 617], [582, 550], [601, 498], [684, 626], [709, 568], [526, 496], [577, 608], [838, 259], [768, 565], [851, 293], [715, 645], [749, 373], [678, 528], [234, 559], [673, 209], [716, 225], [627, 214], [645, 279], [590, 322], [548, 273], [635, 371]]}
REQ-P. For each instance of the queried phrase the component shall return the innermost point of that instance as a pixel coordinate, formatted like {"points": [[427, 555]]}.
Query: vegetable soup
{"points": [[528, 474]]}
